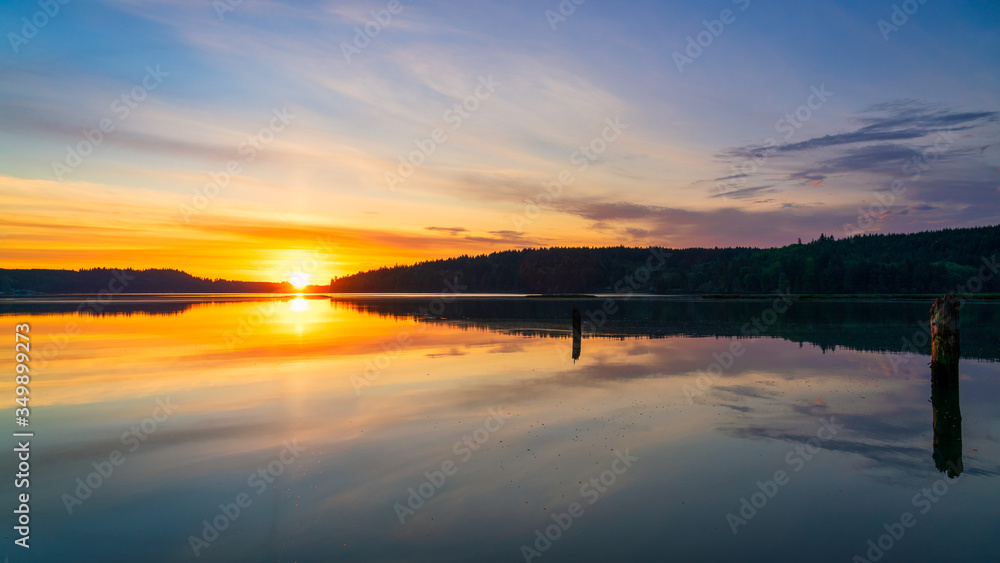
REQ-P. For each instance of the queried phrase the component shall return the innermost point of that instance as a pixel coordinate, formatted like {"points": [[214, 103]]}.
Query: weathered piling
{"points": [[945, 348], [945, 354]]}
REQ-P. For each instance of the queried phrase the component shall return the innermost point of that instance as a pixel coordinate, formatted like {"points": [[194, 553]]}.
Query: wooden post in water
{"points": [[944, 331], [945, 354], [577, 333]]}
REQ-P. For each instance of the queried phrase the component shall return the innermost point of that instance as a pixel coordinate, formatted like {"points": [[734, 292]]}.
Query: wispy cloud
{"points": [[449, 230], [747, 193], [894, 120]]}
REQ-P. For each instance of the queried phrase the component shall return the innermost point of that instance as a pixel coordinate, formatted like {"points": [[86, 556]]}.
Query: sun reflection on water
{"points": [[298, 305]]}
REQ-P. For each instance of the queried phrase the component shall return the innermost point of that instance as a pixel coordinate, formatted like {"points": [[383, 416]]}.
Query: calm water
{"points": [[321, 425]]}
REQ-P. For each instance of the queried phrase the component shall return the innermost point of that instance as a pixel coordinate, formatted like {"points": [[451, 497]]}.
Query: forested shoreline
{"points": [[918, 263]]}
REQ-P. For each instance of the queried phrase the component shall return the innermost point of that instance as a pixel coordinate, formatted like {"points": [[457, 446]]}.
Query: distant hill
{"points": [[926, 262], [13, 282]]}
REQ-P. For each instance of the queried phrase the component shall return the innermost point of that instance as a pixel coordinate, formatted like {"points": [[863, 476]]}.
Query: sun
{"points": [[298, 279]]}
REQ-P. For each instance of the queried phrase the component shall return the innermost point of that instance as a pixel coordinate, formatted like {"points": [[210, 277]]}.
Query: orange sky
{"points": [[72, 225]]}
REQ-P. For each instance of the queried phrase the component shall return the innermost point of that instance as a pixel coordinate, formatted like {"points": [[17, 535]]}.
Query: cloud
{"points": [[702, 227], [746, 193], [450, 230], [896, 120], [851, 138], [904, 140], [730, 177], [620, 210], [505, 237], [915, 113], [886, 158]]}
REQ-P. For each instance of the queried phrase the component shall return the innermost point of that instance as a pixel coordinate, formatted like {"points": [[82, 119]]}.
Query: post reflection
{"points": [[947, 419], [577, 334]]}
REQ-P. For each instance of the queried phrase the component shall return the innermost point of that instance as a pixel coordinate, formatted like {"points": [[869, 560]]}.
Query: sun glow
{"points": [[299, 279]]}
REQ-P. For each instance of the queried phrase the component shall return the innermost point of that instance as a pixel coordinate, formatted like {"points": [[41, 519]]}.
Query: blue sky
{"points": [[933, 81]]}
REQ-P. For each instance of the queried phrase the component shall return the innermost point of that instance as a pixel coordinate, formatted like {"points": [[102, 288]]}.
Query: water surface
{"points": [[328, 417]]}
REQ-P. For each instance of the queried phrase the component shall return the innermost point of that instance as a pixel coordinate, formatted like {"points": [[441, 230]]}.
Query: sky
{"points": [[259, 140]]}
